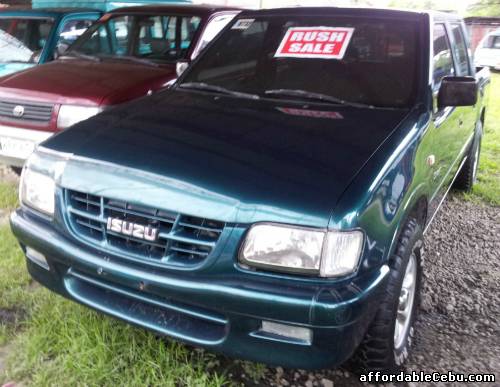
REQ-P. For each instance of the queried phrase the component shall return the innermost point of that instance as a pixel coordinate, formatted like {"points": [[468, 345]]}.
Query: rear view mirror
{"points": [[181, 66], [457, 91]]}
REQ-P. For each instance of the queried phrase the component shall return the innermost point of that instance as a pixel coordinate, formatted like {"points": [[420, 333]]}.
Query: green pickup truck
{"points": [[272, 204]]}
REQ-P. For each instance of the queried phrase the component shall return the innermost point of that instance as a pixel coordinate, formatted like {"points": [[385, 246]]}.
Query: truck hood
{"points": [[82, 82], [231, 159]]}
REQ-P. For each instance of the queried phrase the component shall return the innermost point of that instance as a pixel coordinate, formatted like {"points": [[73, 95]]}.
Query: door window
{"points": [[70, 31], [443, 60], [211, 31], [496, 42], [460, 50], [492, 41], [22, 40]]}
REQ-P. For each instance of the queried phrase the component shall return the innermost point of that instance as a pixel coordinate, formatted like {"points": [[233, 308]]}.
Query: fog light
{"points": [[37, 258], [288, 331]]}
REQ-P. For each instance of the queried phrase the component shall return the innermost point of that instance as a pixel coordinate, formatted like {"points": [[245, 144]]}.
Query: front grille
{"points": [[30, 112], [182, 239]]}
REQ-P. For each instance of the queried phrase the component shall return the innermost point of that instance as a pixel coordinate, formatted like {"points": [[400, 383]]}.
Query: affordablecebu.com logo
{"points": [[425, 377], [315, 42]]}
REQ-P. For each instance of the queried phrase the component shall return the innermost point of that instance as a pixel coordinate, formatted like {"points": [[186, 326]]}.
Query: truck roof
{"points": [[50, 12], [201, 10], [360, 11]]}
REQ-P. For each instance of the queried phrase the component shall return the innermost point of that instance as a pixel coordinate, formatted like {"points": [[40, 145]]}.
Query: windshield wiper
{"points": [[308, 95], [81, 55], [135, 59], [217, 89]]}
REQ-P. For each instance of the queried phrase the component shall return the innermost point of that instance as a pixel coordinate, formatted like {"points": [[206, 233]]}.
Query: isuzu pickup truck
{"points": [[128, 53], [272, 205]]}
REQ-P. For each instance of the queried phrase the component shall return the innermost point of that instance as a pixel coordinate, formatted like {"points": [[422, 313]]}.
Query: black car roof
{"points": [[199, 10], [335, 11]]}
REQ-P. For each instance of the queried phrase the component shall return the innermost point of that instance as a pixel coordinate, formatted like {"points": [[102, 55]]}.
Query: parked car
{"points": [[34, 36], [272, 205], [127, 54], [488, 51]]}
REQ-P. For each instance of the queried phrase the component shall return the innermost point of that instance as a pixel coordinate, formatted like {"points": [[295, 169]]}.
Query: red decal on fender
{"points": [[315, 42]]}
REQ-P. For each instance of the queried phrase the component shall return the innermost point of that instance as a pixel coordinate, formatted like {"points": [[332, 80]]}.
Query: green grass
{"points": [[8, 196], [74, 346], [488, 185]]}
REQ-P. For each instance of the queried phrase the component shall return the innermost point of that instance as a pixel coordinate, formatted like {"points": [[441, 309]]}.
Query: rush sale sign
{"points": [[315, 42]]}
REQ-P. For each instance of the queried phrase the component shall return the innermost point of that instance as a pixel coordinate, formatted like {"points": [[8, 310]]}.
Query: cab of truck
{"points": [[129, 53], [29, 37]]}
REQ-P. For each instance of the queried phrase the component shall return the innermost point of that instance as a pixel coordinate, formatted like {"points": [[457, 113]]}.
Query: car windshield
{"points": [[342, 60], [144, 37], [22, 40]]}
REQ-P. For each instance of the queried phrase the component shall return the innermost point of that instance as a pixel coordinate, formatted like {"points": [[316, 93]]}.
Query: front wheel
{"points": [[467, 176], [387, 343]]}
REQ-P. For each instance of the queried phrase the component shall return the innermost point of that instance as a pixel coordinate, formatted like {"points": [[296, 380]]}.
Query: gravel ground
{"points": [[459, 323]]}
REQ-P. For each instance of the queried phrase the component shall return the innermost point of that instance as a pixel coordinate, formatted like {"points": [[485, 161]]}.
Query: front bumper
{"points": [[17, 144], [223, 314]]}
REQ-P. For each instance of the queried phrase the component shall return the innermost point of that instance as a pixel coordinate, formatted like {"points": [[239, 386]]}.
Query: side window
{"points": [[213, 28], [70, 31], [443, 60], [488, 42], [461, 50], [98, 42], [496, 43]]}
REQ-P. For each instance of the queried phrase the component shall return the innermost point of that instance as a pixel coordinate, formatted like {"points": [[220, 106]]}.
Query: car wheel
{"points": [[468, 174], [386, 345]]}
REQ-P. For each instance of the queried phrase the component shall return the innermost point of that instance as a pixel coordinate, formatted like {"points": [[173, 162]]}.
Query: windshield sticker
{"points": [[242, 24], [315, 42], [311, 113]]}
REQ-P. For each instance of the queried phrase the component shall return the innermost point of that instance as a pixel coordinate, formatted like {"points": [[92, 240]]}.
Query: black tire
{"points": [[378, 350], [17, 170], [467, 176]]}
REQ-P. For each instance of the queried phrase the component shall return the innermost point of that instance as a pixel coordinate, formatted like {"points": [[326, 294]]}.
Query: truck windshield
{"points": [[341, 60], [147, 37], [22, 40]]}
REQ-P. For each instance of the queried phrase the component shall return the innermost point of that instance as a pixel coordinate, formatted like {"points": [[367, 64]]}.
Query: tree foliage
{"points": [[484, 8], [414, 4]]}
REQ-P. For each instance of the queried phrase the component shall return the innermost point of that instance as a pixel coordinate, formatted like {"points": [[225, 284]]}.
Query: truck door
{"points": [[446, 121], [466, 115]]}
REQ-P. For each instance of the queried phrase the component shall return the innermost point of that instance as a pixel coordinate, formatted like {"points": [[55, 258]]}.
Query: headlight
{"points": [[71, 114], [300, 250], [38, 191], [37, 188]]}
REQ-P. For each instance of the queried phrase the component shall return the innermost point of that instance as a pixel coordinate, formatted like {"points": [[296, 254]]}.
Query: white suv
{"points": [[488, 51]]}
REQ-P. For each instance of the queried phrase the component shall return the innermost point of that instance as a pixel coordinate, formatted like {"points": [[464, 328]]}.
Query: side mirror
{"points": [[61, 48], [457, 91], [181, 66]]}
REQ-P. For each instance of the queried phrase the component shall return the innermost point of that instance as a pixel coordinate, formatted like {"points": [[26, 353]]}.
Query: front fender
{"points": [[382, 196]]}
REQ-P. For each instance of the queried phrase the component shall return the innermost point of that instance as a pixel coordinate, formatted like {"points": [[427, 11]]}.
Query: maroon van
{"points": [[129, 53]]}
